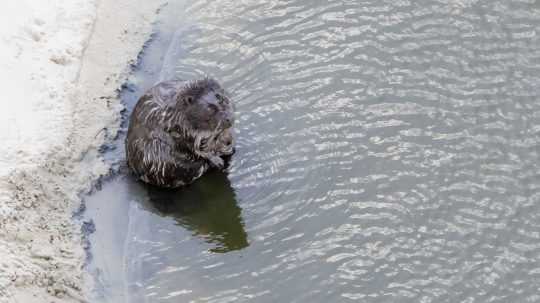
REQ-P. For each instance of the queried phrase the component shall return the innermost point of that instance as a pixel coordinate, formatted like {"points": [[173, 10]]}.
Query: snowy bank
{"points": [[61, 64]]}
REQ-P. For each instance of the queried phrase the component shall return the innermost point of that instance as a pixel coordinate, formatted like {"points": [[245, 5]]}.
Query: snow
{"points": [[41, 50], [54, 58]]}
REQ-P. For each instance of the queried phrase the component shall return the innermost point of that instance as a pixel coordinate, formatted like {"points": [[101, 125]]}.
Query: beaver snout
{"points": [[227, 122]]}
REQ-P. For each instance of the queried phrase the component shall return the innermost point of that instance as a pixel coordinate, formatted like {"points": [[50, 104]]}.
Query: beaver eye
{"points": [[223, 100], [219, 97]]}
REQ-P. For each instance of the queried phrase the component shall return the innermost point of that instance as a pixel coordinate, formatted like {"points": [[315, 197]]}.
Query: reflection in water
{"points": [[143, 230], [208, 208]]}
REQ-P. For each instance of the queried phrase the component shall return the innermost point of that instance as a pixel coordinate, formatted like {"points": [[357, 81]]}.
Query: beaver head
{"points": [[205, 106]]}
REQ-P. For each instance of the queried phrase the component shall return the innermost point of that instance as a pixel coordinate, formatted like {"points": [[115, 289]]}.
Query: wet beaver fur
{"points": [[178, 130]]}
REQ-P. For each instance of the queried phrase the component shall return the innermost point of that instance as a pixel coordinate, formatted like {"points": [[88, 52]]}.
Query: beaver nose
{"points": [[228, 122]]}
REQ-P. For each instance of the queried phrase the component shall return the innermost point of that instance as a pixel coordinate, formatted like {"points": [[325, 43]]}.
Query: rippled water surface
{"points": [[388, 151]]}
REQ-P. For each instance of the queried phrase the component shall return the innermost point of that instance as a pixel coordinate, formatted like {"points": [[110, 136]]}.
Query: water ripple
{"points": [[387, 152]]}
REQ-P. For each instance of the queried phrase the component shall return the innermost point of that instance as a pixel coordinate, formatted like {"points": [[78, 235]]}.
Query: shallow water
{"points": [[388, 152]]}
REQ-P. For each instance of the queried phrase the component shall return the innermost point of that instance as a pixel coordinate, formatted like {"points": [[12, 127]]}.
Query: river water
{"points": [[388, 151]]}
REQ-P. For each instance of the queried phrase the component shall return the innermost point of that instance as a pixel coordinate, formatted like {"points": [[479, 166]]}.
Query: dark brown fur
{"points": [[178, 130]]}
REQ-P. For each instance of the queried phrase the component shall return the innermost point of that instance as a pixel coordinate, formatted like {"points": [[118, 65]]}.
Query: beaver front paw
{"points": [[217, 162]]}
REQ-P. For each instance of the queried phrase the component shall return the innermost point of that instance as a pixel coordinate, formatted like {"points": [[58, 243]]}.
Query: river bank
{"points": [[63, 62]]}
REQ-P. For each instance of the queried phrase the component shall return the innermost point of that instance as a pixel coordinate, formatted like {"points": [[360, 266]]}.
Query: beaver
{"points": [[178, 130]]}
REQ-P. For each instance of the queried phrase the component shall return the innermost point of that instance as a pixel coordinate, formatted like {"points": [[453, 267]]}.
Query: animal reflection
{"points": [[207, 207]]}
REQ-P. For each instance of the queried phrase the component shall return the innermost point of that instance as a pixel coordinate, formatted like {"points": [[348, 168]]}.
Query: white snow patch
{"points": [[61, 62]]}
